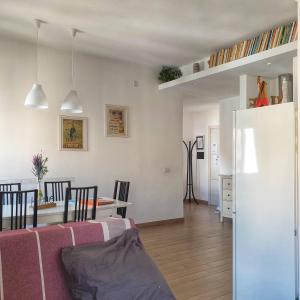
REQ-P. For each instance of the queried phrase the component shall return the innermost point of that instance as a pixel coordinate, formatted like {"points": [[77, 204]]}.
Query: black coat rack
{"points": [[189, 192]]}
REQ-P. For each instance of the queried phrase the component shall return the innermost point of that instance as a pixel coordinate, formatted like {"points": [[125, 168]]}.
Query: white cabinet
{"points": [[226, 196]]}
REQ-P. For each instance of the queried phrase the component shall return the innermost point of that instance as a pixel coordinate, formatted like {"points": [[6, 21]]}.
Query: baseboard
{"points": [[162, 222]]}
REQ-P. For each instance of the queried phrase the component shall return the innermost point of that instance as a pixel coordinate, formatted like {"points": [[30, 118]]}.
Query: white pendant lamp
{"points": [[36, 98], [72, 102]]}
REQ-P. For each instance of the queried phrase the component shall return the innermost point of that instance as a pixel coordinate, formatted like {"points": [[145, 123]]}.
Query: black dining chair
{"points": [[82, 197], [56, 190], [16, 209], [121, 192], [9, 187]]}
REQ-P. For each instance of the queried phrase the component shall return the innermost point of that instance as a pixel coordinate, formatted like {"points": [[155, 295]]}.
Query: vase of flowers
{"points": [[39, 170]]}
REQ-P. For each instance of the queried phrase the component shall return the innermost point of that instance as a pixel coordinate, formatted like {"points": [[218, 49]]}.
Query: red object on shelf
{"points": [[262, 102]]}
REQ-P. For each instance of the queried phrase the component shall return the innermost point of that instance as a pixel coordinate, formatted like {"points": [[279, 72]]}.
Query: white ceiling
{"points": [[152, 32]]}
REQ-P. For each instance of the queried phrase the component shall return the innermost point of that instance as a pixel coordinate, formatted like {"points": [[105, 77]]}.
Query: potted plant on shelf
{"points": [[39, 170], [169, 73]]}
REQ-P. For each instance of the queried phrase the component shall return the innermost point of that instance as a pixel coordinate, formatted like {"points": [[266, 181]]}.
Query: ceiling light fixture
{"points": [[72, 102], [36, 97]]}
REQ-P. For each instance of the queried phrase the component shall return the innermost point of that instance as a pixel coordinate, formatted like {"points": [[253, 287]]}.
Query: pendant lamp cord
{"points": [[74, 31], [38, 25]]}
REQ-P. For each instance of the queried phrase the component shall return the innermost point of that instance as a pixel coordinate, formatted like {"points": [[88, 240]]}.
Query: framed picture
{"points": [[200, 142], [73, 133], [116, 121]]}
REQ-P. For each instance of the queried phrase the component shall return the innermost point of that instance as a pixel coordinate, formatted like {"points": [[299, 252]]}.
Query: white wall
{"points": [[188, 126], [227, 106], [194, 124], [155, 127]]}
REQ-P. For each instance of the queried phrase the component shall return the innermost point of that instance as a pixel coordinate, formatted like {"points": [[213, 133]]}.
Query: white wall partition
{"points": [[264, 220]]}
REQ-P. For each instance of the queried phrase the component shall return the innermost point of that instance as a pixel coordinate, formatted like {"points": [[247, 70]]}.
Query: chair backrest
{"points": [[56, 190], [16, 209], [9, 187], [83, 198], [121, 192]]}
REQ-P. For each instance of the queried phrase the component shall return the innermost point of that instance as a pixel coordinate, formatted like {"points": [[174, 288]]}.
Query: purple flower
{"points": [[39, 168]]}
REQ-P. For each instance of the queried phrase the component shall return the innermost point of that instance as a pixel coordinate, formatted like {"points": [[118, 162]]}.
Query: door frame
{"points": [[209, 158]]}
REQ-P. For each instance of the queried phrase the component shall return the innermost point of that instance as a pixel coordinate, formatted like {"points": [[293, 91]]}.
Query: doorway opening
{"points": [[203, 123]]}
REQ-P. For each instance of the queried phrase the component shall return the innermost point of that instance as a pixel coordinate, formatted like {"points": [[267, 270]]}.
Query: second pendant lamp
{"points": [[72, 102]]}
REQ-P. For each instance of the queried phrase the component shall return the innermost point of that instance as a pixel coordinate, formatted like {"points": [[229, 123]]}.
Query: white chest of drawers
{"points": [[226, 196]]}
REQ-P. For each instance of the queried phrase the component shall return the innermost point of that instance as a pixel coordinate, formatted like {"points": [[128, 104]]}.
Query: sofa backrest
{"points": [[30, 263]]}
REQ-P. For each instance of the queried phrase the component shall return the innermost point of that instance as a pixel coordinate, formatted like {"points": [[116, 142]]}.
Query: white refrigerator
{"points": [[264, 204]]}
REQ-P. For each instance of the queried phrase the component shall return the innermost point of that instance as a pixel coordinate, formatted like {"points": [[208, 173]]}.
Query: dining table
{"points": [[54, 215]]}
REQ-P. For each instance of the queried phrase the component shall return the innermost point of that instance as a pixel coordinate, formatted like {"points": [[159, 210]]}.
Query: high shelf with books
{"points": [[222, 80], [264, 41]]}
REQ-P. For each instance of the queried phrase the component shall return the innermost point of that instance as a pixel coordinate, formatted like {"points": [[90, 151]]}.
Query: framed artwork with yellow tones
{"points": [[116, 121], [73, 133]]}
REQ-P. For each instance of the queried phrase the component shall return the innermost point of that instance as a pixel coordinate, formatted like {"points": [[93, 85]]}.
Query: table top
{"points": [[60, 207]]}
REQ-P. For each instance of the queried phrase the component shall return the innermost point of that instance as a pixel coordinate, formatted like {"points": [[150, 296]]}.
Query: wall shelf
{"points": [[223, 81]]}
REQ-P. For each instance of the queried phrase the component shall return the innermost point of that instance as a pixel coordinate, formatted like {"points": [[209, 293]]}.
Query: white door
{"points": [[214, 165], [264, 203]]}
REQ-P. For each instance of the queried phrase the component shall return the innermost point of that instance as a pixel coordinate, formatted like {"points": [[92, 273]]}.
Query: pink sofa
{"points": [[30, 265]]}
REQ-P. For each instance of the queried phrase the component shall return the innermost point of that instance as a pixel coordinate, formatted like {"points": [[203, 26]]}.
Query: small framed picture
{"points": [[73, 133], [116, 121], [200, 142]]}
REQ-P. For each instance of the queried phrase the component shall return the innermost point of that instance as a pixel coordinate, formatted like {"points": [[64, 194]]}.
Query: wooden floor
{"points": [[195, 256]]}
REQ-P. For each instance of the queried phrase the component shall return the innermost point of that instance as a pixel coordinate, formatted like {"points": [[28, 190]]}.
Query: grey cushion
{"points": [[117, 269]]}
